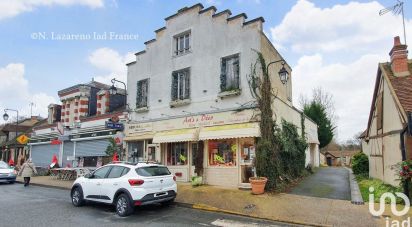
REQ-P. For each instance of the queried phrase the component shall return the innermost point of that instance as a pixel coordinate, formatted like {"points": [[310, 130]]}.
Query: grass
{"points": [[380, 187]]}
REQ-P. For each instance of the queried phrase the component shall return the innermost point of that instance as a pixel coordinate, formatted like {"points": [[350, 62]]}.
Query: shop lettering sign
{"points": [[139, 128]]}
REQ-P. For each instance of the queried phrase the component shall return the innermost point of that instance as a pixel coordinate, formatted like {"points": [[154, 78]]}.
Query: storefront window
{"points": [[177, 154], [247, 153], [136, 151], [90, 161], [222, 152]]}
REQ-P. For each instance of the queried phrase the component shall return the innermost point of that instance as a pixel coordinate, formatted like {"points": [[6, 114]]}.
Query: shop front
{"points": [[227, 139]]}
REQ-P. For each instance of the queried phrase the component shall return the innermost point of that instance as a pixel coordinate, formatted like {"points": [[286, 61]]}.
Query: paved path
{"points": [[328, 182], [40, 206]]}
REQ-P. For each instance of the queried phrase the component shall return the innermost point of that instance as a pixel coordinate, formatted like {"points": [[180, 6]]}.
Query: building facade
{"points": [[386, 134], [189, 96], [77, 131]]}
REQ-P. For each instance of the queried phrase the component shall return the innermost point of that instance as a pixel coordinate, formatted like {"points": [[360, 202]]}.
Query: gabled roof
{"points": [[400, 88], [337, 154]]}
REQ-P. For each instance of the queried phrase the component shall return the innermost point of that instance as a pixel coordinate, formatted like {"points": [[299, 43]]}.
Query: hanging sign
{"points": [[23, 139]]}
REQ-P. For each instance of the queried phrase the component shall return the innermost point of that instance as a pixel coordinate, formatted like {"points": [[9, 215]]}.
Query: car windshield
{"points": [[151, 171], [3, 165]]}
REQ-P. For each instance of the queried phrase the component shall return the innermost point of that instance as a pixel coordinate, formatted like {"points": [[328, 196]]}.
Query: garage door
{"points": [[91, 148], [68, 148], [42, 155]]}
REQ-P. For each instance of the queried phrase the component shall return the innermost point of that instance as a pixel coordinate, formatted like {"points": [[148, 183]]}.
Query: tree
{"points": [[113, 147], [317, 112]]}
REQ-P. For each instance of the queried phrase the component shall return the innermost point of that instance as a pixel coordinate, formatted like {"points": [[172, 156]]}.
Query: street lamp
{"points": [[283, 73], [6, 117], [113, 90]]}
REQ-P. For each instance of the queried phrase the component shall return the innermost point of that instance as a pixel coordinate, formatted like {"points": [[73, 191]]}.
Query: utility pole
{"points": [[31, 108]]}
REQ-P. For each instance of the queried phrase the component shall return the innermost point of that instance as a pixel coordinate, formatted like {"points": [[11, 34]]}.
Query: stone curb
{"points": [[207, 208], [356, 196]]}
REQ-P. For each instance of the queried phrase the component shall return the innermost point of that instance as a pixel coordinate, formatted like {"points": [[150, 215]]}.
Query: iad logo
{"points": [[394, 210]]}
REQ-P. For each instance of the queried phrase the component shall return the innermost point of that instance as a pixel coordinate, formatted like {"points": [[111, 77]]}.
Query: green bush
{"points": [[360, 163]]}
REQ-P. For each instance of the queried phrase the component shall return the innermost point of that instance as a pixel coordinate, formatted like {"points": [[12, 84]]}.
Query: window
{"points": [[222, 152], [379, 111], [153, 171], [136, 151], [182, 43], [102, 172], [142, 93], [177, 154], [229, 77], [116, 172], [181, 85], [90, 161]]}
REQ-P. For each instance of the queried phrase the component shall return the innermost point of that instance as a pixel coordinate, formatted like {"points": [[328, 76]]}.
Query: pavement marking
{"points": [[232, 223]]}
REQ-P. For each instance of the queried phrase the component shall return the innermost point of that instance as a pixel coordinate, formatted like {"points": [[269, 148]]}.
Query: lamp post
{"points": [[113, 90], [283, 73], [6, 117]]}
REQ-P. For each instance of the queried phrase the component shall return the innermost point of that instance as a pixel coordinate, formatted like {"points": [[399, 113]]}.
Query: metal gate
{"points": [[92, 148], [42, 155]]}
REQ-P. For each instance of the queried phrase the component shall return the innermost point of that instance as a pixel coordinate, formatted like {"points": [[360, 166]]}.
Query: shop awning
{"points": [[143, 136], [179, 135], [230, 131]]}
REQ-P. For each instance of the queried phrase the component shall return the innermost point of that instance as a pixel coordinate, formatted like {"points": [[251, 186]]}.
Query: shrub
{"points": [[360, 163]]}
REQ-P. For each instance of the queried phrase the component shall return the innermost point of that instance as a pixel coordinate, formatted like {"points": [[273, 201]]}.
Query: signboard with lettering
{"points": [[114, 125]]}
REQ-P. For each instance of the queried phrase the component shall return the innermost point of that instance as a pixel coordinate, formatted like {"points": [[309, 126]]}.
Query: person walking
{"points": [[27, 170]]}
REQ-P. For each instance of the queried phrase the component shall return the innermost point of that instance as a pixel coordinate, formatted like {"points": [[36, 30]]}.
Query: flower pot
{"points": [[258, 184], [197, 181]]}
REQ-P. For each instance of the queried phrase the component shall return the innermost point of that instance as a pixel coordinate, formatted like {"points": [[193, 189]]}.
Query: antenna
{"points": [[396, 10], [31, 104]]}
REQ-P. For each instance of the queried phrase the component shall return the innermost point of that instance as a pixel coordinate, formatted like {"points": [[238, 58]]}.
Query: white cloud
{"points": [[355, 27], [340, 48], [11, 8], [15, 93], [351, 85], [111, 63]]}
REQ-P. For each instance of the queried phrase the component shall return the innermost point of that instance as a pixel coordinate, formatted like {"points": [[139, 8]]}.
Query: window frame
{"points": [[234, 155], [169, 154], [175, 96], [223, 73], [182, 39], [121, 172], [139, 92]]}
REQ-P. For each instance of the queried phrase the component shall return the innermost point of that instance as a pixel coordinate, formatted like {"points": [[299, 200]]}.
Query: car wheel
{"points": [[77, 197], [168, 202], [124, 206]]}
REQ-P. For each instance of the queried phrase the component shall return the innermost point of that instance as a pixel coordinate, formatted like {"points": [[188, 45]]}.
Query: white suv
{"points": [[126, 185]]}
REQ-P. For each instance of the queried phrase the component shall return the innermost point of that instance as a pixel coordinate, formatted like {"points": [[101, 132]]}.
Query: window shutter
{"points": [[236, 72], [187, 84], [223, 75], [174, 86], [139, 94]]}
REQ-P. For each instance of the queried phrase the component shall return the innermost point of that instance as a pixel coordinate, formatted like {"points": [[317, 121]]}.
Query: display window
{"points": [[247, 153], [222, 152], [177, 154]]}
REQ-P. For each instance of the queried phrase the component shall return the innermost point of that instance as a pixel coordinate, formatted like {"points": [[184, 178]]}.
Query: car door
{"points": [[113, 182], [92, 188]]}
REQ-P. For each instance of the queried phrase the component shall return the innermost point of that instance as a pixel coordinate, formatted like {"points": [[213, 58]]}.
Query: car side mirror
{"points": [[89, 175]]}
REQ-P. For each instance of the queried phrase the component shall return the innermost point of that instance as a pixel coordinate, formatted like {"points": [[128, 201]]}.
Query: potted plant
{"points": [[258, 184]]}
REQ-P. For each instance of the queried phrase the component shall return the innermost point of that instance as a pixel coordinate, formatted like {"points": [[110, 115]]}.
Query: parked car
{"points": [[7, 173], [126, 185]]}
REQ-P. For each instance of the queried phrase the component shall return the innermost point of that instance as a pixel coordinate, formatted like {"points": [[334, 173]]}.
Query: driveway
{"points": [[328, 182]]}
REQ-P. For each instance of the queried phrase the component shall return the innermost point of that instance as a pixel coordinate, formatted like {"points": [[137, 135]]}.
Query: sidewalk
{"points": [[280, 207]]}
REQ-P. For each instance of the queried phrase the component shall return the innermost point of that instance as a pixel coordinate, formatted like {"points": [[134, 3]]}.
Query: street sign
{"points": [[23, 139], [113, 125]]}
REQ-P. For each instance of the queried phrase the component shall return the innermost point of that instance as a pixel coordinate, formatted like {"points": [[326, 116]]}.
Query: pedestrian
{"points": [[27, 170]]}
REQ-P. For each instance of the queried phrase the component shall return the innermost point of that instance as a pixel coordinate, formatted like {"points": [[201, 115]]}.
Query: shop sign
{"points": [[94, 134], [139, 128], [233, 117]]}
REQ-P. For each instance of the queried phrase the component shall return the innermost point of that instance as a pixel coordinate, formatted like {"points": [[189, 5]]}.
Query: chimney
{"points": [[399, 58]]}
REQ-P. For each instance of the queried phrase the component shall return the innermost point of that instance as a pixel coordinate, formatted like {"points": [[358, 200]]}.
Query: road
{"points": [[40, 206], [328, 182]]}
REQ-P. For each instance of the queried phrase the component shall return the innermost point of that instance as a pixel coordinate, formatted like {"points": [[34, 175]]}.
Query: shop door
{"points": [[247, 155], [153, 152]]}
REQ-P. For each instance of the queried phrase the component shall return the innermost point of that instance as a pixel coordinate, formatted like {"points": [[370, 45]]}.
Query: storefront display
{"points": [[222, 152], [177, 153]]}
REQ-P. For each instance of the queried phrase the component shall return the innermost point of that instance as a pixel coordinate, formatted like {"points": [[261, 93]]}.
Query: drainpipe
{"points": [[403, 152]]}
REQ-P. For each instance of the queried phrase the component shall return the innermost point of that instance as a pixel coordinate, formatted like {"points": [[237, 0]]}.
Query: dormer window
{"points": [[182, 43]]}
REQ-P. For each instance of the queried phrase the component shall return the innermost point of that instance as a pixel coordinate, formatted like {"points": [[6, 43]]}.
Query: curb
{"points": [[356, 197], [44, 185], [205, 207]]}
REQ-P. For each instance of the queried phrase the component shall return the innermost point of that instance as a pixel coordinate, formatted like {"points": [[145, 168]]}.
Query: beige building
{"points": [[386, 133], [189, 95]]}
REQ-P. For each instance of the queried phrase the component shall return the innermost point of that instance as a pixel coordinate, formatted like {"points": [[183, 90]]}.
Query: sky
{"points": [[334, 45]]}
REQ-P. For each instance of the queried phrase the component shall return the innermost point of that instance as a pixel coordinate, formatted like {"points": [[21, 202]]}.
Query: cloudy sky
{"points": [[333, 44]]}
